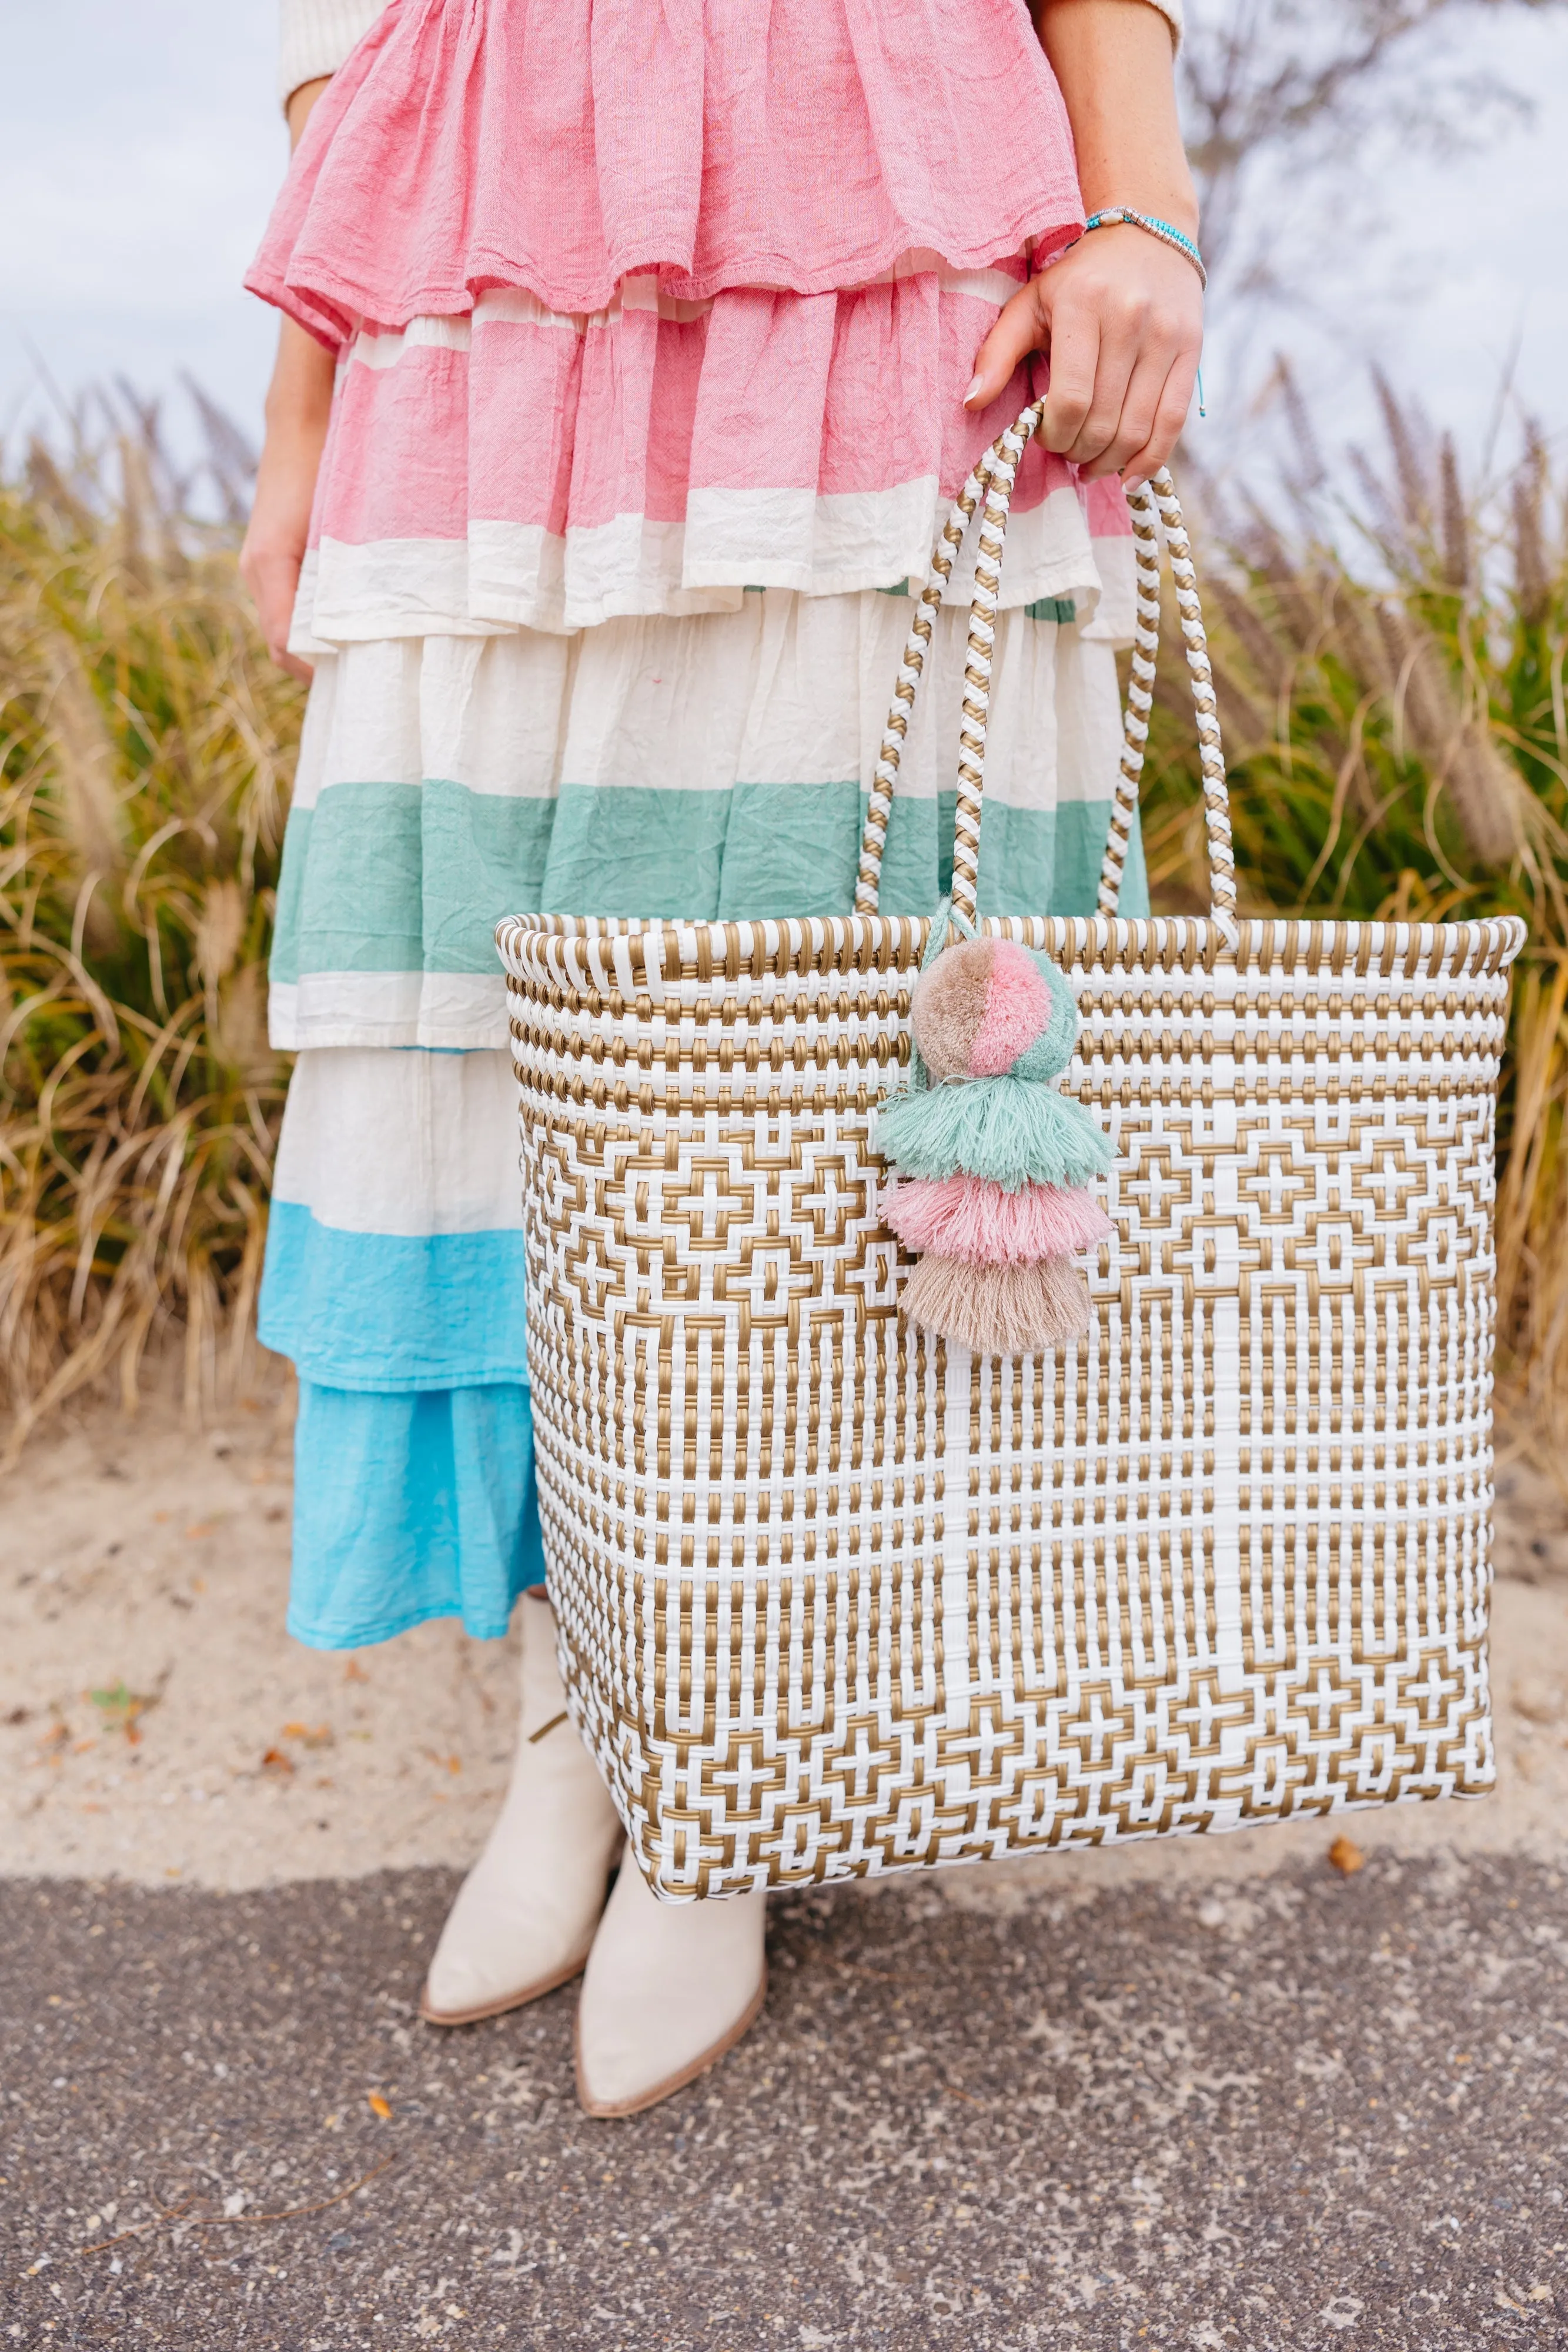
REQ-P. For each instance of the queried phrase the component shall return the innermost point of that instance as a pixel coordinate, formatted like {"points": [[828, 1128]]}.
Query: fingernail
{"points": [[974, 381]]}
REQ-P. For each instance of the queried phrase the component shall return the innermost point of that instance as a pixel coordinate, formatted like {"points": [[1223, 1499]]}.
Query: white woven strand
{"points": [[785, 1535], [1140, 698], [1158, 496], [989, 489], [884, 778], [982, 640]]}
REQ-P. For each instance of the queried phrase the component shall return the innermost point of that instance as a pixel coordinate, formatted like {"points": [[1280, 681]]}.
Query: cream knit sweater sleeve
{"points": [[317, 36]]}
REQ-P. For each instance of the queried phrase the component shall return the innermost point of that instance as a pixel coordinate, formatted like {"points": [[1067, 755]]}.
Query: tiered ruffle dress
{"points": [[653, 326]]}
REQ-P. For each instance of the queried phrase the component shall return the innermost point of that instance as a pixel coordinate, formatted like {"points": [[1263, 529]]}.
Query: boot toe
{"points": [[482, 1971], [669, 1988], [621, 2073]]}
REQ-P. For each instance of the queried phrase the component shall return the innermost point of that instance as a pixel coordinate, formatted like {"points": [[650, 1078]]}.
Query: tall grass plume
{"points": [[1390, 661], [145, 744], [1390, 672]]}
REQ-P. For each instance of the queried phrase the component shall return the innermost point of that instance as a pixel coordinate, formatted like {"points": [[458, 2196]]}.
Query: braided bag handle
{"points": [[1154, 499], [992, 480], [989, 489]]}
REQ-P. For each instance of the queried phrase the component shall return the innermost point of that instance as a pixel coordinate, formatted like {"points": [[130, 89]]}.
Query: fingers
{"points": [[272, 576], [1132, 426], [1086, 374], [1122, 323], [1022, 327], [1170, 415], [1140, 342]]}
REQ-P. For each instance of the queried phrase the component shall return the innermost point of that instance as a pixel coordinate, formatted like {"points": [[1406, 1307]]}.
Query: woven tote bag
{"points": [[837, 1598]]}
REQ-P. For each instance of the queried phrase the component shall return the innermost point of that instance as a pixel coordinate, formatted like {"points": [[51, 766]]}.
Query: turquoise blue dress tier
{"points": [[715, 765]]}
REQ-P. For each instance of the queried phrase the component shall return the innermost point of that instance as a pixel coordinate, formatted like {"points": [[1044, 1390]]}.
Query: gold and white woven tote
{"points": [[835, 1599]]}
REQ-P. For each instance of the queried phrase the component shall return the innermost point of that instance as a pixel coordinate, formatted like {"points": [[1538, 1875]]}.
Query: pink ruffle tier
{"points": [[565, 146], [643, 306]]}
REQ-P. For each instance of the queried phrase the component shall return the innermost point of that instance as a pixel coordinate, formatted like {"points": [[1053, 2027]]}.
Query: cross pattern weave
{"points": [[835, 1599]]}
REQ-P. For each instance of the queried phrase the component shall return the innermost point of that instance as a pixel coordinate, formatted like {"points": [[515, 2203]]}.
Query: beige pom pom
{"points": [[950, 1005]]}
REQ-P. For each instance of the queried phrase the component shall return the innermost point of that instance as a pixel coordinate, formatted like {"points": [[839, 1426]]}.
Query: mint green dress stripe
{"points": [[703, 768], [398, 878]]}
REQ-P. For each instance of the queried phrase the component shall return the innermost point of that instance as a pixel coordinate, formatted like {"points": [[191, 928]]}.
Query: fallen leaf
{"points": [[119, 1707], [1346, 1856], [377, 2104], [354, 1672], [275, 1761]]}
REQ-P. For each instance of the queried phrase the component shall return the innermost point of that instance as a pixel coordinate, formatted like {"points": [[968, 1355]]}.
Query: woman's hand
{"points": [[1121, 314], [1121, 317], [298, 405]]}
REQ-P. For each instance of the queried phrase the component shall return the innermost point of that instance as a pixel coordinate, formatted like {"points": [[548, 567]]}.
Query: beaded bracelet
{"points": [[1116, 214]]}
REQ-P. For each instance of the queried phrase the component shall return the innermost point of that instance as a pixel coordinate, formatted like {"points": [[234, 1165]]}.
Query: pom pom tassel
{"points": [[1011, 1131], [998, 1310], [967, 1217], [993, 1164]]}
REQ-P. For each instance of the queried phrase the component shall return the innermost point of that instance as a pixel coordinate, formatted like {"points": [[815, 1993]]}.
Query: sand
{"points": [[158, 1725]]}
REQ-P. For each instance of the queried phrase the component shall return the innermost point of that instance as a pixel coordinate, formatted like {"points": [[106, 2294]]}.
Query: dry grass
{"points": [[144, 742], [1397, 744], [1397, 748]]}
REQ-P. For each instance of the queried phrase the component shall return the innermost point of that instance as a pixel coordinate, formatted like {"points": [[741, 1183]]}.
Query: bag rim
{"points": [[591, 952]]}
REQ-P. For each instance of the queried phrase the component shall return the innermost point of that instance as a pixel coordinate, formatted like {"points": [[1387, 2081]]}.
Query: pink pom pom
{"points": [[1018, 1006], [967, 1217]]}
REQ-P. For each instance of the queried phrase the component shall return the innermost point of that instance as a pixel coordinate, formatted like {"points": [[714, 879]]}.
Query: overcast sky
{"points": [[143, 144]]}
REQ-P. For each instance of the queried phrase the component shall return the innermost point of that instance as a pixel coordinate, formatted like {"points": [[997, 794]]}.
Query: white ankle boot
{"points": [[669, 1988], [525, 1914]]}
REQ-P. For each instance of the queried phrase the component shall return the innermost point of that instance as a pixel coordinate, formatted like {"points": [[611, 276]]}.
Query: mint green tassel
{"points": [[1013, 1132]]}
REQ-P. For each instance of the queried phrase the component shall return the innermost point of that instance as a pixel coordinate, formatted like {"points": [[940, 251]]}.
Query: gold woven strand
{"points": [[991, 480], [1140, 696], [832, 1602]]}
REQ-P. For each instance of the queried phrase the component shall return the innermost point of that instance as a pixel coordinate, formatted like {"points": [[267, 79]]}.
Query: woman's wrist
{"points": [[301, 103], [1112, 59], [299, 396]]}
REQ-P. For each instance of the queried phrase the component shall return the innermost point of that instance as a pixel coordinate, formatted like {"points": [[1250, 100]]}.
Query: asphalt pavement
{"points": [[1310, 2110]]}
